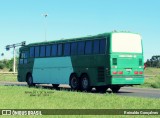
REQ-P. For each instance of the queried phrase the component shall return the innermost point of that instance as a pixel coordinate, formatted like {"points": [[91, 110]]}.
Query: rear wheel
{"points": [[30, 80], [101, 89], [74, 82], [85, 84], [115, 89]]}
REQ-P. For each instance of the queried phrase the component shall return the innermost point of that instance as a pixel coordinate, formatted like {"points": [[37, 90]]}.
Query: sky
{"points": [[23, 20]]}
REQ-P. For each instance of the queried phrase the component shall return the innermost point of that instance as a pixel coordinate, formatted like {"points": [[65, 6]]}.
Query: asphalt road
{"points": [[124, 91], [140, 92]]}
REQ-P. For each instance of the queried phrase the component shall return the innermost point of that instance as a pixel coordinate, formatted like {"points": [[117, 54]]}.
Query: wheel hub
{"points": [[85, 83], [74, 82]]}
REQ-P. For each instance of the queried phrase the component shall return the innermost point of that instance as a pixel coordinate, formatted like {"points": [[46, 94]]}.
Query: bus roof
{"points": [[75, 39], [71, 39]]}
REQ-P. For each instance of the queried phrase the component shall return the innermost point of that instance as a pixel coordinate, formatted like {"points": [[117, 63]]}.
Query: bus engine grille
{"points": [[101, 77]]}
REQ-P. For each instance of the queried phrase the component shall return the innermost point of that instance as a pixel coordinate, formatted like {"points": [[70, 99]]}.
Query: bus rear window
{"points": [[126, 42]]}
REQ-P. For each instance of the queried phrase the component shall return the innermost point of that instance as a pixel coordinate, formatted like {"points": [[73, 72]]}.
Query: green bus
{"points": [[109, 60]]}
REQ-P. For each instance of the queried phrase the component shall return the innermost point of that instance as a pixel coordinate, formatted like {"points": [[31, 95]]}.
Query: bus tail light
{"points": [[141, 72], [120, 72], [135, 72], [114, 72]]}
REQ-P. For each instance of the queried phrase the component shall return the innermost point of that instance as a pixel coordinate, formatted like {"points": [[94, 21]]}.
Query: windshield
{"points": [[126, 42]]}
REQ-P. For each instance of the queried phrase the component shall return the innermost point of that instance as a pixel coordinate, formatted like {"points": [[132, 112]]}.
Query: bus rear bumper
{"points": [[127, 80]]}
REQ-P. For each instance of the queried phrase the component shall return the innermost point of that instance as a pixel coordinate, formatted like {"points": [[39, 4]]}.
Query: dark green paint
{"points": [[98, 67]]}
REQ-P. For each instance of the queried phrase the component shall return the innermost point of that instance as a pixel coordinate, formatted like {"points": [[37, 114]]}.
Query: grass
{"points": [[152, 71], [153, 81], [31, 98], [8, 77], [16, 97]]}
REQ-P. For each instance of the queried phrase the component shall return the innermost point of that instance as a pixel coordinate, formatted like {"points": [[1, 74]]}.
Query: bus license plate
{"points": [[129, 78], [128, 69]]}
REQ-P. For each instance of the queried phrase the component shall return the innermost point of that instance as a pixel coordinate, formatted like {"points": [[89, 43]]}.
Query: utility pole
{"points": [[14, 52], [14, 59]]}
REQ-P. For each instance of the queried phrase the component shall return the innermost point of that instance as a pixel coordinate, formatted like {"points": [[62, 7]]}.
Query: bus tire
{"points": [[101, 89], [115, 89], [30, 80], [74, 82], [85, 84]]}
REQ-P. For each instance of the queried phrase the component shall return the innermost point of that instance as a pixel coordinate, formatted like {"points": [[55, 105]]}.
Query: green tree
{"points": [[154, 61], [2, 65], [8, 64]]}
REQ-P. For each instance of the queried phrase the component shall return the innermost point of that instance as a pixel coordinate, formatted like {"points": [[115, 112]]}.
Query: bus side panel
{"points": [[93, 65], [52, 70]]}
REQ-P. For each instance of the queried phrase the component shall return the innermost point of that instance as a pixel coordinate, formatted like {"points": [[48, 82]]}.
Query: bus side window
{"points": [[102, 46], [31, 52], [25, 57], [21, 58], [48, 50], [88, 47], [42, 51], [37, 51], [54, 50], [59, 49], [96, 47], [74, 48], [81, 47], [20, 55], [67, 49]]}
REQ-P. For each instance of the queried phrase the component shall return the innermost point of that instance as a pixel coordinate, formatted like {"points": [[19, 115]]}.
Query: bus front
{"points": [[126, 57]]}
